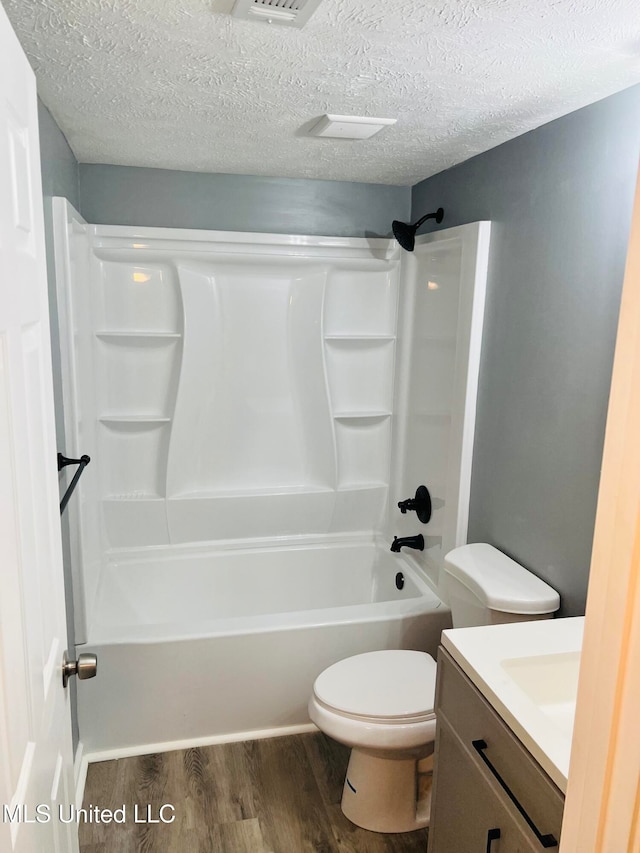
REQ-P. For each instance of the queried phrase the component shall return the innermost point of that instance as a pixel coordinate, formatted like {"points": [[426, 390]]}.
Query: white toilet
{"points": [[381, 703]]}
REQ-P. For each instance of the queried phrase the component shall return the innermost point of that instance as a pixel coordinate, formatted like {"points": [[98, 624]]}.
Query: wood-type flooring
{"points": [[280, 795]]}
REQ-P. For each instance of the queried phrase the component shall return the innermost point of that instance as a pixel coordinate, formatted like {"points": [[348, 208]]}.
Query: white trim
{"points": [[114, 238], [253, 237], [171, 745], [474, 239], [456, 232], [65, 219], [80, 766], [477, 258]]}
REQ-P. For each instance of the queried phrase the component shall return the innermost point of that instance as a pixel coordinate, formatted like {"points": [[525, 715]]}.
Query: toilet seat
{"points": [[376, 720], [378, 701], [390, 687]]}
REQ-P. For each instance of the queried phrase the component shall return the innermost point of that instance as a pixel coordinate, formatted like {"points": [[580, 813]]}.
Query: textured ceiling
{"points": [[180, 84]]}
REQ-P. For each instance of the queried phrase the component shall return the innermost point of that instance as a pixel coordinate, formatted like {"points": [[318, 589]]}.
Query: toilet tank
{"points": [[486, 587]]}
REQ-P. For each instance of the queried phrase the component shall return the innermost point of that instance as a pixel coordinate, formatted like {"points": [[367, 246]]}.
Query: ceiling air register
{"points": [[293, 13]]}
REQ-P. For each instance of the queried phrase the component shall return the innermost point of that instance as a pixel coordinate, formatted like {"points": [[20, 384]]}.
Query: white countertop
{"points": [[528, 671]]}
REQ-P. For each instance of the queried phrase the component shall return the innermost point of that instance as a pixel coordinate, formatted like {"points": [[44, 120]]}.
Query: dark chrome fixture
{"points": [[82, 463], [421, 504], [406, 234], [416, 542], [546, 840]]}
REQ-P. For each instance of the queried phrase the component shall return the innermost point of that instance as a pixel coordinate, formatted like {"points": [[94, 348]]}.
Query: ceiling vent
{"points": [[350, 127], [293, 13]]}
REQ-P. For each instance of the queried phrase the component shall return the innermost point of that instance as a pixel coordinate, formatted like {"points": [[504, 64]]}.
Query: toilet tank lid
{"points": [[499, 582]]}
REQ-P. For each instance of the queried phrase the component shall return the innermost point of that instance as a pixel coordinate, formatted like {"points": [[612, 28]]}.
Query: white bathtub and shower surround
{"points": [[250, 401], [244, 641], [278, 350]]}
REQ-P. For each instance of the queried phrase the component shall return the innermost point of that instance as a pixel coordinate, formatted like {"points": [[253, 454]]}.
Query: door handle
{"points": [[492, 836], [85, 667]]}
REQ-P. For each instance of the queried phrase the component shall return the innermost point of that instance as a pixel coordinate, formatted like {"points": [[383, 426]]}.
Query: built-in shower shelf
{"points": [[133, 419], [359, 338], [361, 416], [132, 337], [150, 497], [273, 491], [362, 486]]}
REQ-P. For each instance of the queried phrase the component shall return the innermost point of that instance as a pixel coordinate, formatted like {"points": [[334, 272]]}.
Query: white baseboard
{"points": [[80, 766], [167, 746]]}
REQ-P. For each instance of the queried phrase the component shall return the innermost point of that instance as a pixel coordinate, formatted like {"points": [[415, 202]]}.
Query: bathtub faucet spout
{"points": [[408, 542]]}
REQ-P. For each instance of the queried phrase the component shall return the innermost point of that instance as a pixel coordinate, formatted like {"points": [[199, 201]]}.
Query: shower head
{"points": [[406, 234]]}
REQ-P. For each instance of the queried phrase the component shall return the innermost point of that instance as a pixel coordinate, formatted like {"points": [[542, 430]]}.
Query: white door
{"points": [[36, 767]]}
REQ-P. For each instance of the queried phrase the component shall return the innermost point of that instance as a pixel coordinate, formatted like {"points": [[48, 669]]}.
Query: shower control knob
{"points": [[421, 504], [85, 667]]}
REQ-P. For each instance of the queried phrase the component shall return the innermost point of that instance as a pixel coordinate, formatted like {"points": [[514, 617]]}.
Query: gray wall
{"points": [[59, 178], [560, 200], [59, 165], [127, 195]]}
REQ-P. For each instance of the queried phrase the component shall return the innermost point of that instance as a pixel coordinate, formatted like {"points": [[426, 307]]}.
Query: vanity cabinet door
{"points": [[469, 813], [485, 781]]}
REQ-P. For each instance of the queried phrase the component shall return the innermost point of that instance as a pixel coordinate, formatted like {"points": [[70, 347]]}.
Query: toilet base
{"points": [[387, 794]]}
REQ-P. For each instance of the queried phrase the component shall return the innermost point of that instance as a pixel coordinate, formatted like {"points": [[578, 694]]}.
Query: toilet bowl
{"points": [[381, 705]]}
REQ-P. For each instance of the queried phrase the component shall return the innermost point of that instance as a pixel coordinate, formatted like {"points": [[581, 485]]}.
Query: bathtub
{"points": [[198, 647]]}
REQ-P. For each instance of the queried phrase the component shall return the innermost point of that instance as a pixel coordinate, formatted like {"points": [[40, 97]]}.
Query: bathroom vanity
{"points": [[504, 736]]}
